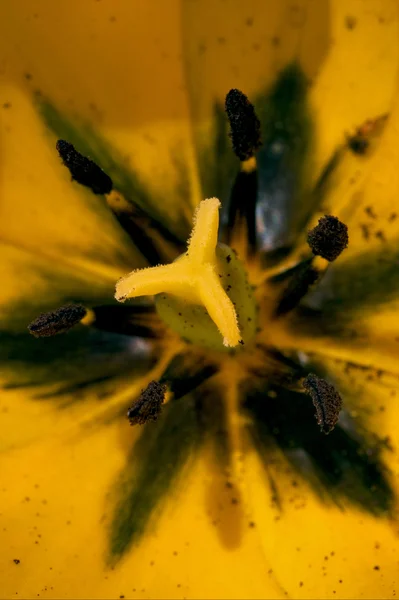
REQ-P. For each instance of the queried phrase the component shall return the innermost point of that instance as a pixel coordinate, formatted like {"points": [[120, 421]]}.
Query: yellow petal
{"points": [[41, 211], [138, 106], [357, 80], [369, 208], [327, 552], [252, 42], [117, 67], [66, 492]]}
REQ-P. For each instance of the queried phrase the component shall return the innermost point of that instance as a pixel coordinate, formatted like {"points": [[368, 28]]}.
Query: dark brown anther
{"points": [[329, 238], [57, 321], [244, 125], [148, 406], [83, 170], [326, 400]]}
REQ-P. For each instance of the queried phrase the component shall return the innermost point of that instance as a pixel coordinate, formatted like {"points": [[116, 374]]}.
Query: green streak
{"points": [[344, 467], [127, 181], [351, 289], [152, 470]]}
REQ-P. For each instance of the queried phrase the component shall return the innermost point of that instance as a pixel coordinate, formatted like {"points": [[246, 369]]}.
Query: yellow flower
{"points": [[233, 491]]}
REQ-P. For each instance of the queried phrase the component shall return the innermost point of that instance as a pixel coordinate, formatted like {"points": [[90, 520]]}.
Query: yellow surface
{"points": [[120, 65]]}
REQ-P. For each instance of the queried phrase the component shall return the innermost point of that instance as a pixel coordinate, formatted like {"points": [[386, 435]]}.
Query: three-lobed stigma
{"points": [[195, 280]]}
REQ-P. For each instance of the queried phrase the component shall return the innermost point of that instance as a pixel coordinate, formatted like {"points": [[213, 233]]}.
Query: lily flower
{"points": [[198, 312]]}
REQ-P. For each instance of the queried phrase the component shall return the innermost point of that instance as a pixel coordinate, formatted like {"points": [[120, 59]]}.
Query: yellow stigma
{"points": [[193, 277]]}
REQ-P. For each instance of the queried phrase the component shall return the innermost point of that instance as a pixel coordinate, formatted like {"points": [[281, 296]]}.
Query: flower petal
{"points": [[319, 551], [125, 180], [157, 459], [355, 305], [344, 467], [85, 364], [242, 49], [65, 515], [138, 115], [322, 562], [230, 52]]}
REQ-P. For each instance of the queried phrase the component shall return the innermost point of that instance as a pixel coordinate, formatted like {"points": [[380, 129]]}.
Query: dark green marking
{"points": [[127, 319], [344, 467], [213, 421], [242, 206], [174, 228], [354, 287], [82, 359], [185, 373], [217, 164], [283, 160], [301, 280], [152, 471]]}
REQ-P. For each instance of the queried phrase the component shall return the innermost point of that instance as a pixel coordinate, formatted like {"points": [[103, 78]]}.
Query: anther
{"points": [[245, 133], [326, 400], [148, 406], [244, 125], [57, 321], [329, 238], [83, 170]]}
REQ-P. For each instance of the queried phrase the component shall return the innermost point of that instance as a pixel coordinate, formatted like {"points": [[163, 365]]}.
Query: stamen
{"points": [[245, 134], [139, 320], [153, 240], [148, 407], [326, 400], [242, 208], [329, 238], [57, 321], [193, 277], [297, 288], [245, 126], [185, 373], [83, 170]]}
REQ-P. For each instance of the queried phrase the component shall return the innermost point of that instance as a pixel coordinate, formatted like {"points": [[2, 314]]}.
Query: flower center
{"points": [[193, 321], [204, 295]]}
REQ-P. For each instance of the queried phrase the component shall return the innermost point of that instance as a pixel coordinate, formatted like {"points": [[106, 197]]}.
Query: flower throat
{"points": [[206, 293]]}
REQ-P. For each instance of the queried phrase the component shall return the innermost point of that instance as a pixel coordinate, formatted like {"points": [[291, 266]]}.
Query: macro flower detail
{"points": [[326, 400], [213, 310], [57, 321], [329, 238], [194, 277], [149, 404], [198, 367]]}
